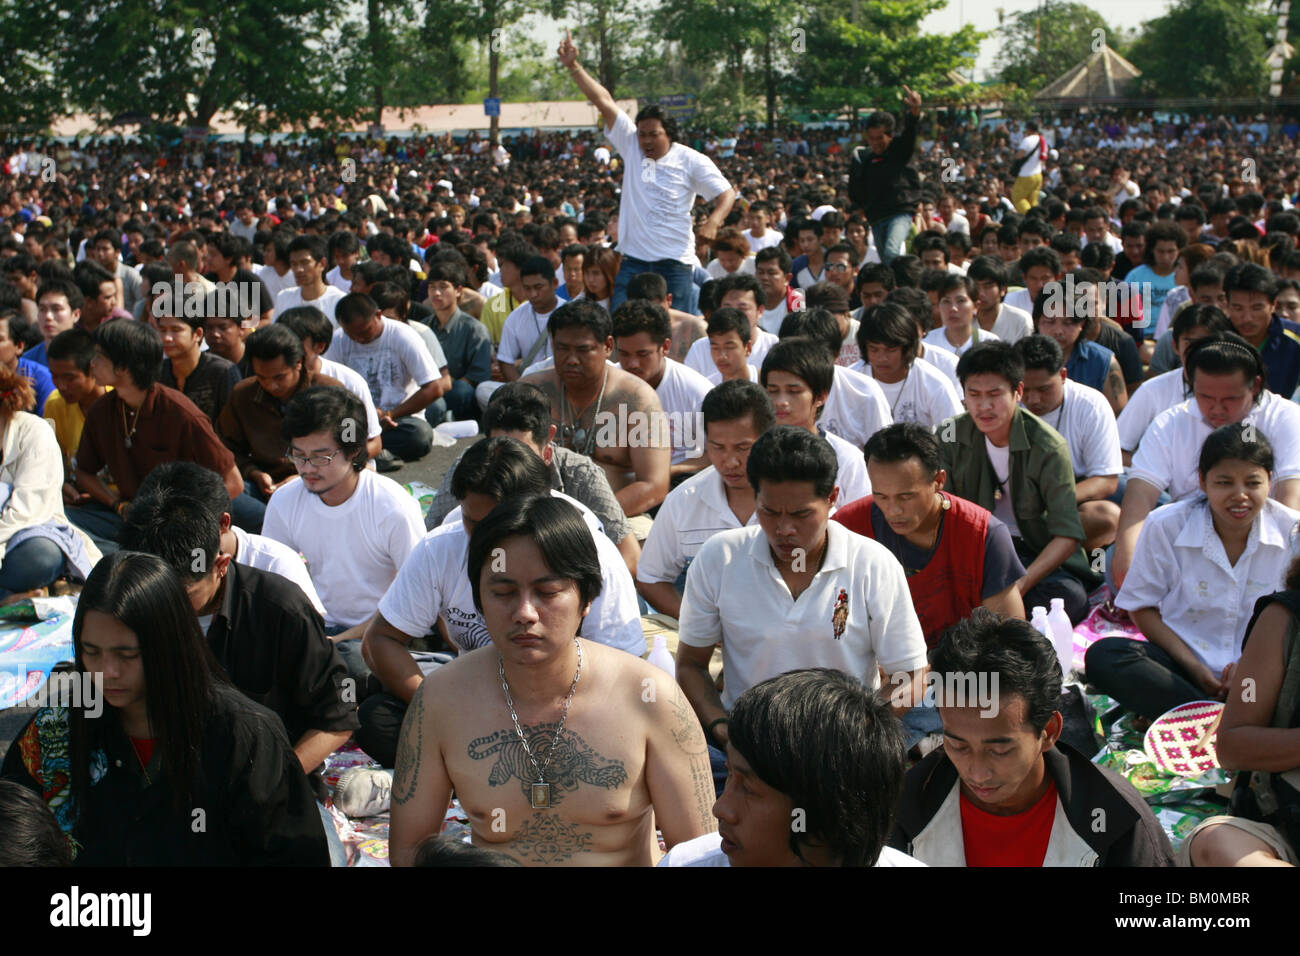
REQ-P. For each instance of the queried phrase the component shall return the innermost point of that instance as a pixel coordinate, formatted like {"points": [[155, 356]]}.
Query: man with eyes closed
{"points": [[561, 751]]}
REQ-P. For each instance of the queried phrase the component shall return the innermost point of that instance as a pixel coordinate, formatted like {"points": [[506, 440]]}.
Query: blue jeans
{"points": [[459, 401], [100, 522], [676, 274], [891, 236], [33, 564], [920, 722]]}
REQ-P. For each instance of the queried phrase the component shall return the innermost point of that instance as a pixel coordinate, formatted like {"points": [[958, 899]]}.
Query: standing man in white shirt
{"points": [[1029, 169], [642, 339], [797, 591], [661, 179], [524, 340], [307, 262], [1082, 416], [353, 527]]}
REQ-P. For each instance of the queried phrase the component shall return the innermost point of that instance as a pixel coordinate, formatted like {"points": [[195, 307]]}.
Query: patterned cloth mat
{"points": [[35, 635]]}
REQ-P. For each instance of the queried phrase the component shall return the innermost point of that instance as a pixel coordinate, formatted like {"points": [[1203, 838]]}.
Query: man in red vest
{"points": [[957, 555]]}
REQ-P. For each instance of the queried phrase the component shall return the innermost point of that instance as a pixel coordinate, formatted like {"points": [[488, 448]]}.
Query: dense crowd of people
{"points": [[826, 415]]}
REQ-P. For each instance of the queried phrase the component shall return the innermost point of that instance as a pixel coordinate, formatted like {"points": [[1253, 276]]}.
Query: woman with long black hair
{"points": [[162, 762]]}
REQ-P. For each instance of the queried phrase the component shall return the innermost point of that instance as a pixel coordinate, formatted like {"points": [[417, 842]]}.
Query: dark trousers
{"points": [[100, 522], [459, 401], [381, 718], [1059, 584], [1141, 676], [410, 440]]}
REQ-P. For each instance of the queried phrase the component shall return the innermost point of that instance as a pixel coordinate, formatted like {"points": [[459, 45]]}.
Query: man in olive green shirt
{"points": [[1009, 461]]}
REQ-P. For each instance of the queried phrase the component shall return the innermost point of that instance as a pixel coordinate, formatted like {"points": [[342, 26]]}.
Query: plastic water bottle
{"points": [[1038, 618], [660, 657], [1061, 632]]}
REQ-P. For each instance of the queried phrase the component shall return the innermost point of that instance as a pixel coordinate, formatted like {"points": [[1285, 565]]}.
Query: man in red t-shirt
{"points": [[1004, 790]]}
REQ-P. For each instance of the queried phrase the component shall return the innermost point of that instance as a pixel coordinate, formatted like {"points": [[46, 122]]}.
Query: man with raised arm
{"points": [[561, 751], [661, 179]]}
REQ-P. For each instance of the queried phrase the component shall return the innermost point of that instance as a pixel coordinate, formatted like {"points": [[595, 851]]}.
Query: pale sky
{"points": [[983, 14]]}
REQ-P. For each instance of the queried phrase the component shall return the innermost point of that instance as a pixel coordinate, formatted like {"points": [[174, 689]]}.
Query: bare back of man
{"points": [[686, 329], [631, 756], [630, 439]]}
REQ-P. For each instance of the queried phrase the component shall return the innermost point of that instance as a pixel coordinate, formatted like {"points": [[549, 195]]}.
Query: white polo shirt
{"points": [[855, 407], [433, 582], [1170, 452], [926, 396], [521, 329], [1181, 569], [855, 616], [701, 359], [693, 512], [1155, 396], [768, 239], [1085, 420], [936, 338], [681, 392]]}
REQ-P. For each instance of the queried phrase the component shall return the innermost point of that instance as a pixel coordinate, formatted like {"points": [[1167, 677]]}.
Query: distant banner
{"points": [[679, 106], [195, 133]]}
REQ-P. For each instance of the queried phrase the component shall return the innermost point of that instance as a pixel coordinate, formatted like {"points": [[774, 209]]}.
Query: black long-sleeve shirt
{"points": [[252, 804], [886, 185]]}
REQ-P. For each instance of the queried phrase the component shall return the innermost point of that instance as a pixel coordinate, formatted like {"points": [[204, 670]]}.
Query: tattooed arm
{"points": [[678, 773], [1115, 391], [421, 787]]}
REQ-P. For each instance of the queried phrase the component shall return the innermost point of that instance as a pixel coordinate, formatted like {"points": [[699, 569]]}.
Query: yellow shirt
{"points": [[68, 419], [495, 311]]}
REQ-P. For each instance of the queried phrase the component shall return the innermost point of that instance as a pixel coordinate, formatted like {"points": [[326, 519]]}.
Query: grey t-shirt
{"points": [[575, 475]]}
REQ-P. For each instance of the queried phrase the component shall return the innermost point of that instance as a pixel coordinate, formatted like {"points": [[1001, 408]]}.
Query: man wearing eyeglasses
{"points": [[354, 527]]}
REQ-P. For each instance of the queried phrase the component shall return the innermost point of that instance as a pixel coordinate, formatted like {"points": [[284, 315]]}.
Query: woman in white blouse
{"points": [[1198, 569], [37, 545]]}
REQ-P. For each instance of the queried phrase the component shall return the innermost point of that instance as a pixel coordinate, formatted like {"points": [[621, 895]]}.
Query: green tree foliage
{"points": [[183, 62], [864, 64], [1038, 45], [1205, 48]]}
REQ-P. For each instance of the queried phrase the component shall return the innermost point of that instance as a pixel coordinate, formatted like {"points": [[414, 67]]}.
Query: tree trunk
{"points": [[606, 70], [375, 29], [494, 69], [769, 76]]}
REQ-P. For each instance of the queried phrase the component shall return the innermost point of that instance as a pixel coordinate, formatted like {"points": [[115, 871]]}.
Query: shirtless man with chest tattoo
{"points": [[561, 751], [604, 412]]}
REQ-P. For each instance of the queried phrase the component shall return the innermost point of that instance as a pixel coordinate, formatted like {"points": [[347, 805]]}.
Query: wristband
{"points": [[120, 506], [713, 723]]}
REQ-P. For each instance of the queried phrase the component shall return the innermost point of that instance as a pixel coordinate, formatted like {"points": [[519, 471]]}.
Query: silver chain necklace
{"points": [[539, 794], [581, 438]]}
